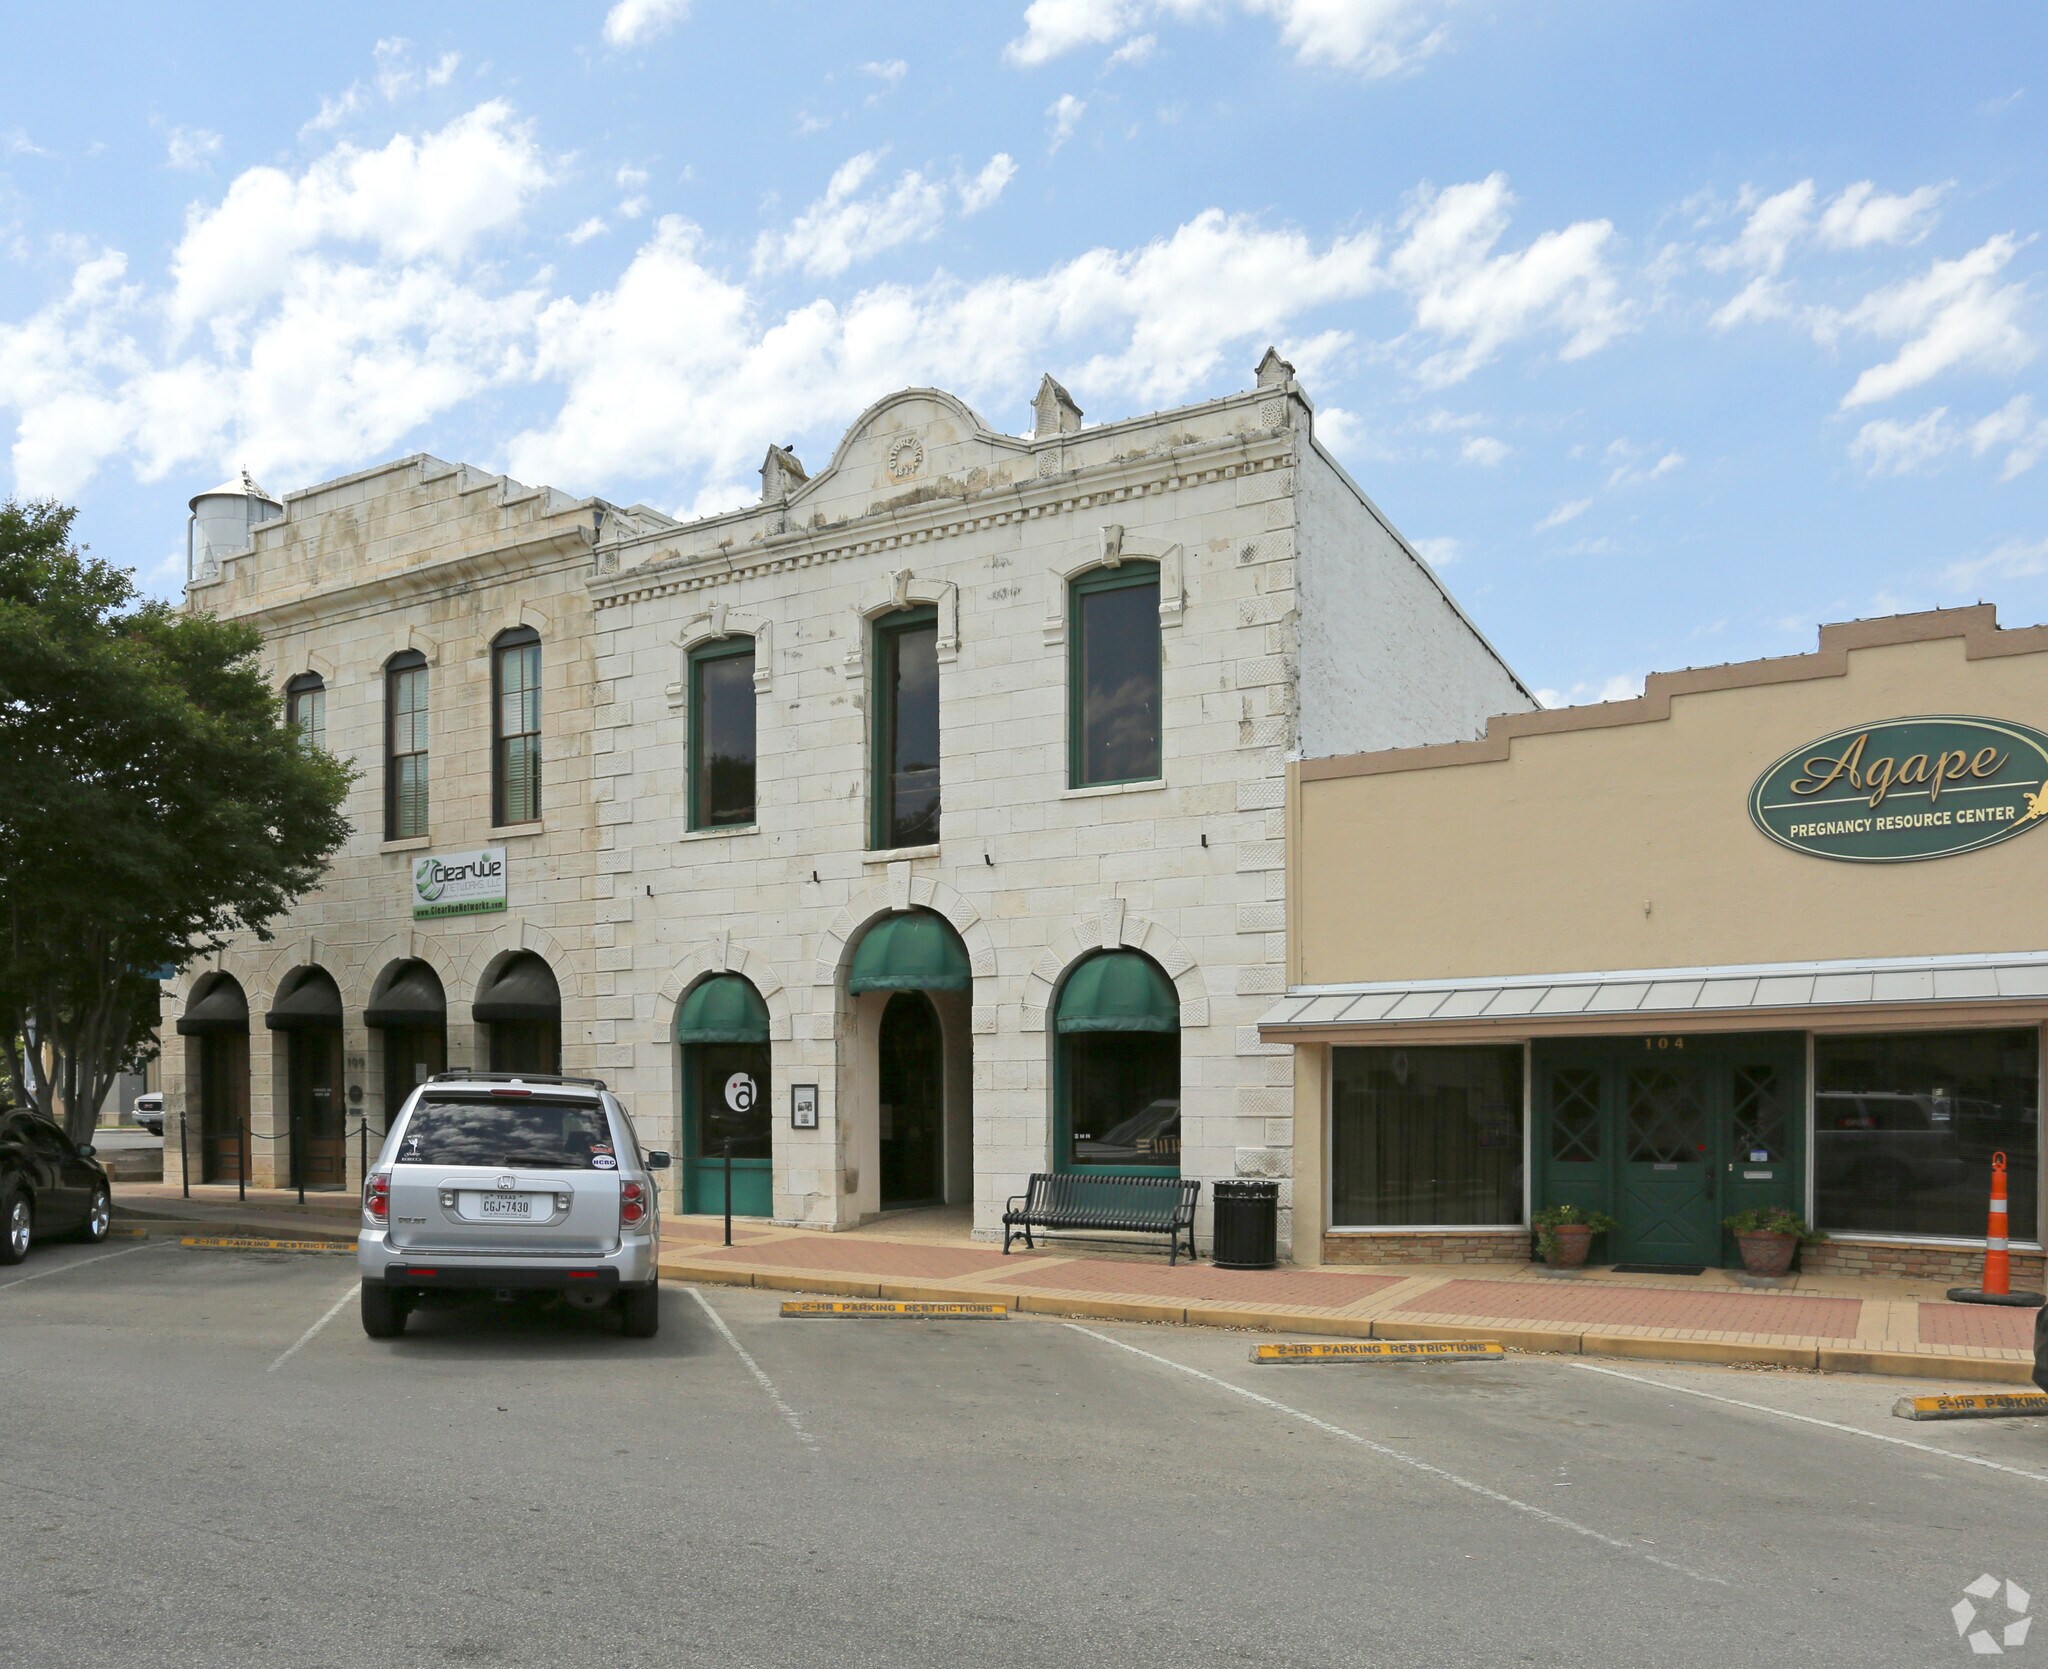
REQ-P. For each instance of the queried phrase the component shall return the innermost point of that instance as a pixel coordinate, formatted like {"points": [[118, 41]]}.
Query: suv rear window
{"points": [[529, 1131]]}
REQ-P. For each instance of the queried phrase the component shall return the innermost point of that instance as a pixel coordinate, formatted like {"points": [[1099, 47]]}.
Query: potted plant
{"points": [[1769, 1236], [1564, 1234]]}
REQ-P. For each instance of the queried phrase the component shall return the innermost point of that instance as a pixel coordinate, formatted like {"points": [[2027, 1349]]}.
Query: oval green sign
{"points": [[1903, 789]]}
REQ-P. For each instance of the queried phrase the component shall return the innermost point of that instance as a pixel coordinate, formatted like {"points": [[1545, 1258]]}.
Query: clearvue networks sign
{"points": [[1903, 789], [458, 883]]}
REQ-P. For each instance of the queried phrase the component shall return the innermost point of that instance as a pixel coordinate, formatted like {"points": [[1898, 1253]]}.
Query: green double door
{"points": [[1669, 1135]]}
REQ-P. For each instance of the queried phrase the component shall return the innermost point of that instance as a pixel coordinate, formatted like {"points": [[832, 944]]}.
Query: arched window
{"points": [[1113, 676], [515, 726], [405, 746], [1116, 1080], [305, 707], [722, 734]]}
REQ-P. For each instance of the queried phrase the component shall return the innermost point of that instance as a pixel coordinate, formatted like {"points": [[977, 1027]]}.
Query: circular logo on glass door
{"points": [[739, 1093]]}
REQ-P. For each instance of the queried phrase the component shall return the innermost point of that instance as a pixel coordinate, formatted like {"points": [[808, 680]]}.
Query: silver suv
{"points": [[494, 1184]]}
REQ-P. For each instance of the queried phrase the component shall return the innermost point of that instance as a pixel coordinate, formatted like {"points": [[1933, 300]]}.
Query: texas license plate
{"points": [[495, 1207]]}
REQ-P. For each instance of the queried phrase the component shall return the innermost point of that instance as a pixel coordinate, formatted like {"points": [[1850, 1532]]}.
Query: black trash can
{"points": [[1247, 1225]]}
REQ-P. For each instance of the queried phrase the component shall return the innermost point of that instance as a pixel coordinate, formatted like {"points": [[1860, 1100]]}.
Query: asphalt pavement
{"points": [[209, 1464]]}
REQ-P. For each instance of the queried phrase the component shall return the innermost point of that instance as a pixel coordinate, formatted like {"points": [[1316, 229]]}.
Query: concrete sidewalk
{"points": [[1840, 1324]]}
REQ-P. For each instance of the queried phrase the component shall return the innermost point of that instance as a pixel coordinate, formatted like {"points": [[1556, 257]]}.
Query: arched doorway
{"points": [[410, 1010], [722, 1029], [521, 1005], [912, 987], [307, 1009], [1116, 1068], [216, 1021]]}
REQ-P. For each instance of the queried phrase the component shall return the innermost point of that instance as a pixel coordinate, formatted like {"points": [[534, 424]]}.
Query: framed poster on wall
{"points": [[803, 1106]]}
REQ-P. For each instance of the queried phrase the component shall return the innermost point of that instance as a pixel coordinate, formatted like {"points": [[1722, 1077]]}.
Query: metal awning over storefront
{"points": [[1761, 995], [308, 1000], [410, 997]]}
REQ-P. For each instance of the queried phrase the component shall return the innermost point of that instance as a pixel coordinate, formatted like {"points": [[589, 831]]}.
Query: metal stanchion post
{"points": [[363, 1148], [298, 1155], [728, 1190], [242, 1163], [184, 1164]]}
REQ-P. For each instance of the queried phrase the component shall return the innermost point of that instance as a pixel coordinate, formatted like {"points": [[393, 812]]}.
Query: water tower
{"points": [[223, 520]]}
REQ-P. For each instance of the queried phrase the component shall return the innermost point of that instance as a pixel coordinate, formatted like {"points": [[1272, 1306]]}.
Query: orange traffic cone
{"points": [[1997, 1287]]}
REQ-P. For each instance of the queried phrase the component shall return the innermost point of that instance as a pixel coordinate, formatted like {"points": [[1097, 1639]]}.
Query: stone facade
{"points": [[1454, 1246], [1270, 560]]}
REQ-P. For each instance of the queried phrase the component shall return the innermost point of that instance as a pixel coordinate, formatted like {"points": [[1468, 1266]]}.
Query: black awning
{"points": [[523, 989], [410, 997], [308, 1000], [221, 1011]]}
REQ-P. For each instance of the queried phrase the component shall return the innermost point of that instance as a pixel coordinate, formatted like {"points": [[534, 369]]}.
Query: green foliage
{"points": [[1554, 1217], [1772, 1219], [152, 802]]}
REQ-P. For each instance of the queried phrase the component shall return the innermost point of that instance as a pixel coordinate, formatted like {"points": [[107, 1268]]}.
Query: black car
{"points": [[48, 1186], [2041, 1348]]}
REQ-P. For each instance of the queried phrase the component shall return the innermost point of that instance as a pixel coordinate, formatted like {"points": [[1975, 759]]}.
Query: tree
{"points": [[153, 801]]}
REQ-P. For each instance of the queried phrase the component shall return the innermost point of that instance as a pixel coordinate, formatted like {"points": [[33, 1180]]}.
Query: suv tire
{"points": [[640, 1310], [17, 1224], [383, 1311]]}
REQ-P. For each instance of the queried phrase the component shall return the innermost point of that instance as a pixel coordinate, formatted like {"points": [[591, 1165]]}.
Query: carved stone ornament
{"points": [[906, 457]]}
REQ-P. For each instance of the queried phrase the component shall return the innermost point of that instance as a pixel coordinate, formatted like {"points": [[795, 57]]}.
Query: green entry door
{"points": [[726, 1140], [1668, 1156]]}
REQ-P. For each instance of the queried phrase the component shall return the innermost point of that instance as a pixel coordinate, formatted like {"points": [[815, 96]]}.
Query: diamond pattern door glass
{"points": [[1758, 1096], [1667, 1116], [1575, 1115]]}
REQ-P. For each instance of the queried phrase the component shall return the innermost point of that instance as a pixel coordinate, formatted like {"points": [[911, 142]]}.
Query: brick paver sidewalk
{"points": [[1840, 1323]]}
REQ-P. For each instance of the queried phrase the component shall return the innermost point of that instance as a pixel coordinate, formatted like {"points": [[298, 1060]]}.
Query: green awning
{"points": [[221, 1011], [725, 1009], [1120, 991], [915, 951], [308, 1000]]}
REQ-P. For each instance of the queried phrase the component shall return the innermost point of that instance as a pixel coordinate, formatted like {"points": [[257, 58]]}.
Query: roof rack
{"points": [[514, 1078]]}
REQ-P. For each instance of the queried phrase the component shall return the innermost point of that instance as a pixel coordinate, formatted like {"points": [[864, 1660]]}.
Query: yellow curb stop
{"points": [[1987, 1406], [1384, 1350], [238, 1243], [875, 1309]]}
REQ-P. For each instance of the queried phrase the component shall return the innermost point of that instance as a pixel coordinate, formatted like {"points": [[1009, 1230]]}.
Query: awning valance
{"points": [[1770, 992], [1119, 991], [914, 951], [221, 1011], [522, 989], [308, 1000], [723, 1009], [412, 998]]}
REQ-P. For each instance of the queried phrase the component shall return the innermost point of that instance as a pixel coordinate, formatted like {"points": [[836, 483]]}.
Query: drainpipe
{"points": [[191, 521]]}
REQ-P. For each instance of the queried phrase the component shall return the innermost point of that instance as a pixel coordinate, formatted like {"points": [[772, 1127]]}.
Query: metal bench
{"points": [[1068, 1201]]}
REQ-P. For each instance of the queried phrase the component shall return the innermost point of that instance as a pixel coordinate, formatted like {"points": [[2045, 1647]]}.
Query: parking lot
{"points": [[211, 1464]]}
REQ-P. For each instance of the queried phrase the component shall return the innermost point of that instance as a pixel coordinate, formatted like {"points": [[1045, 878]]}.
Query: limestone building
{"points": [[916, 828]]}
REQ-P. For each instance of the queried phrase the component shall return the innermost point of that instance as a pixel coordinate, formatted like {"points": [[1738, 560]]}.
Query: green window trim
{"points": [[880, 714], [723, 1009], [914, 950], [1063, 1118], [1126, 575], [722, 649]]}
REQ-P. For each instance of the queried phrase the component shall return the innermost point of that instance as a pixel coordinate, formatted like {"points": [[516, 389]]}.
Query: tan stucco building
{"points": [[1772, 933]]}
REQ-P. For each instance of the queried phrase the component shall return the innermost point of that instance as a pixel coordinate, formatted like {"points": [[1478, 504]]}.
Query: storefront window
{"points": [[1905, 1124], [1122, 1092], [1426, 1137]]}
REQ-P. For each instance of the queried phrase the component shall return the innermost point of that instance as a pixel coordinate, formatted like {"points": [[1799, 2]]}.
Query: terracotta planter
{"points": [[1767, 1254], [1569, 1243]]}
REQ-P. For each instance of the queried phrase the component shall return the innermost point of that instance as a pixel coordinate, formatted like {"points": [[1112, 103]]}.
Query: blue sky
{"points": [[1666, 331]]}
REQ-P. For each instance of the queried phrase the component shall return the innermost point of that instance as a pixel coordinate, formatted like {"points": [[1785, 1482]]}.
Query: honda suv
{"points": [[490, 1183]]}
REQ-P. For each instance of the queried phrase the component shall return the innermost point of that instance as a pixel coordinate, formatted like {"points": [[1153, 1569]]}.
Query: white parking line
{"points": [[754, 1368], [66, 1268], [1541, 1514], [306, 1338], [1812, 1420]]}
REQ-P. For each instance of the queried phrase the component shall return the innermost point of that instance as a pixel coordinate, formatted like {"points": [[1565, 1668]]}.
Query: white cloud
{"points": [[1887, 447], [1623, 686], [888, 72], [636, 22], [1439, 552], [1135, 50], [1476, 301], [629, 178], [586, 230], [1627, 472], [1370, 37], [1955, 314], [1062, 116], [395, 77], [1570, 511], [1863, 215], [2018, 428], [1485, 451], [982, 191], [191, 147], [18, 143], [1767, 236], [2015, 559], [841, 227]]}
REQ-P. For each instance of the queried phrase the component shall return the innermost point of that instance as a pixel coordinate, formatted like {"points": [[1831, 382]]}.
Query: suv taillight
{"points": [[632, 1204], [377, 1197]]}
